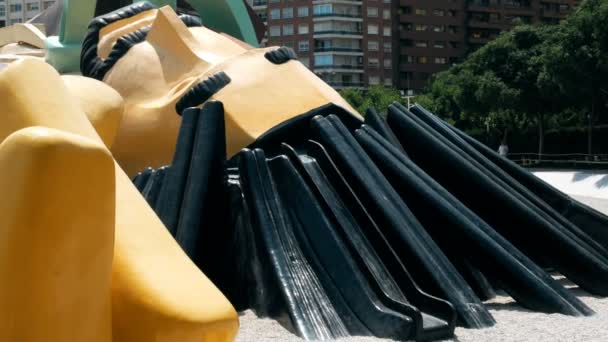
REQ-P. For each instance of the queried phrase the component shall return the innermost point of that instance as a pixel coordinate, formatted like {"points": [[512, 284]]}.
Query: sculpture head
{"points": [[162, 63]]}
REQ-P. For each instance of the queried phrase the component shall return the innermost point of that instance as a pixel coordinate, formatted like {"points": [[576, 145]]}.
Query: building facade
{"points": [[434, 34], [347, 43], [400, 43], [20, 11]]}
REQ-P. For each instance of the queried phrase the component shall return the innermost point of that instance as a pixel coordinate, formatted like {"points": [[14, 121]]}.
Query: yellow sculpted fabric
{"points": [[63, 200]]}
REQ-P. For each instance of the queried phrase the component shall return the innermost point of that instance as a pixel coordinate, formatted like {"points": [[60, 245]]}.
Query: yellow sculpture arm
{"points": [[158, 294], [57, 237]]}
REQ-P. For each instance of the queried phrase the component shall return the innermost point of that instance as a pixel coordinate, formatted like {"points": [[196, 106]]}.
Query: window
{"points": [[386, 14], [324, 9], [305, 61], [303, 28], [324, 60], [47, 4], [421, 27], [16, 8], [288, 44], [373, 62], [288, 12], [2, 11], [287, 29], [439, 45], [438, 12], [275, 13], [421, 43], [388, 82], [372, 12], [386, 31], [388, 47], [303, 45], [372, 29], [453, 29], [388, 64], [423, 60], [275, 31], [409, 59], [32, 7], [440, 60], [420, 11], [373, 80], [372, 45], [15, 21], [451, 13], [302, 12], [438, 28]]}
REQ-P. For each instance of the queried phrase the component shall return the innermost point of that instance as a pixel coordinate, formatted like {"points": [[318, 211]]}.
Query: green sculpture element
{"points": [[228, 16], [161, 3], [63, 51]]}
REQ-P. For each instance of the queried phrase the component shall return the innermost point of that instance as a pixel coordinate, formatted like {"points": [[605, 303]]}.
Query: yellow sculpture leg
{"points": [[57, 237], [158, 294]]}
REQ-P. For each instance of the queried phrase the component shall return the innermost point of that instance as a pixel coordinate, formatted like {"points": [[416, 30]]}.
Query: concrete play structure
{"points": [[187, 175]]}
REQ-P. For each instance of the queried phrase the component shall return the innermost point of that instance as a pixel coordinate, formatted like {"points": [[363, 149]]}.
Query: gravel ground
{"points": [[514, 323]]}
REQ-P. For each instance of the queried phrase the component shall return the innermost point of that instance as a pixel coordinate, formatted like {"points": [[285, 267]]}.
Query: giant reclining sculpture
{"points": [[63, 50], [336, 225], [84, 258]]}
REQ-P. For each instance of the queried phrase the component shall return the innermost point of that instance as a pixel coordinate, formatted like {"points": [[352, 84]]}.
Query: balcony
{"points": [[338, 15], [444, 4], [354, 34], [337, 49], [346, 2], [339, 85], [353, 67]]}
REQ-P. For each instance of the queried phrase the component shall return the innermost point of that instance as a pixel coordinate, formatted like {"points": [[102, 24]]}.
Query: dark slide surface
{"points": [[336, 227]]}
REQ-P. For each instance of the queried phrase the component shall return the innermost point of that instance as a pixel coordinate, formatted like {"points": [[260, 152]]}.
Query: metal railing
{"points": [[339, 66], [337, 49], [354, 32], [337, 14], [530, 159]]}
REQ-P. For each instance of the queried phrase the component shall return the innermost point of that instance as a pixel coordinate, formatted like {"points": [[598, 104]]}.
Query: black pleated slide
{"points": [[418, 252], [511, 214], [467, 236], [592, 222], [395, 228]]}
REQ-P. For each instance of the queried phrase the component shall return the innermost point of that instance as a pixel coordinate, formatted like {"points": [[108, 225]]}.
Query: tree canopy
{"points": [[531, 75]]}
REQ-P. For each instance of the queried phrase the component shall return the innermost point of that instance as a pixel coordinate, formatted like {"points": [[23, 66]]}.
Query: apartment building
{"points": [[347, 43], [434, 34], [19, 11]]}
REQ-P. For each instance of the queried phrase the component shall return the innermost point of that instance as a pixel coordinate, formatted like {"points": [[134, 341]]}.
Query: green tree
{"points": [[499, 86], [576, 60], [377, 96]]}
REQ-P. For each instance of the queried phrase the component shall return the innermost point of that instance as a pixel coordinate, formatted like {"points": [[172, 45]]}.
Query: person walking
{"points": [[503, 149]]}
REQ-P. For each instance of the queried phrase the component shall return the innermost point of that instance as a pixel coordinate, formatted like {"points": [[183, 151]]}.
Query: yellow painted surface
{"points": [[158, 294], [255, 104], [152, 77], [102, 104], [56, 236], [156, 73]]}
